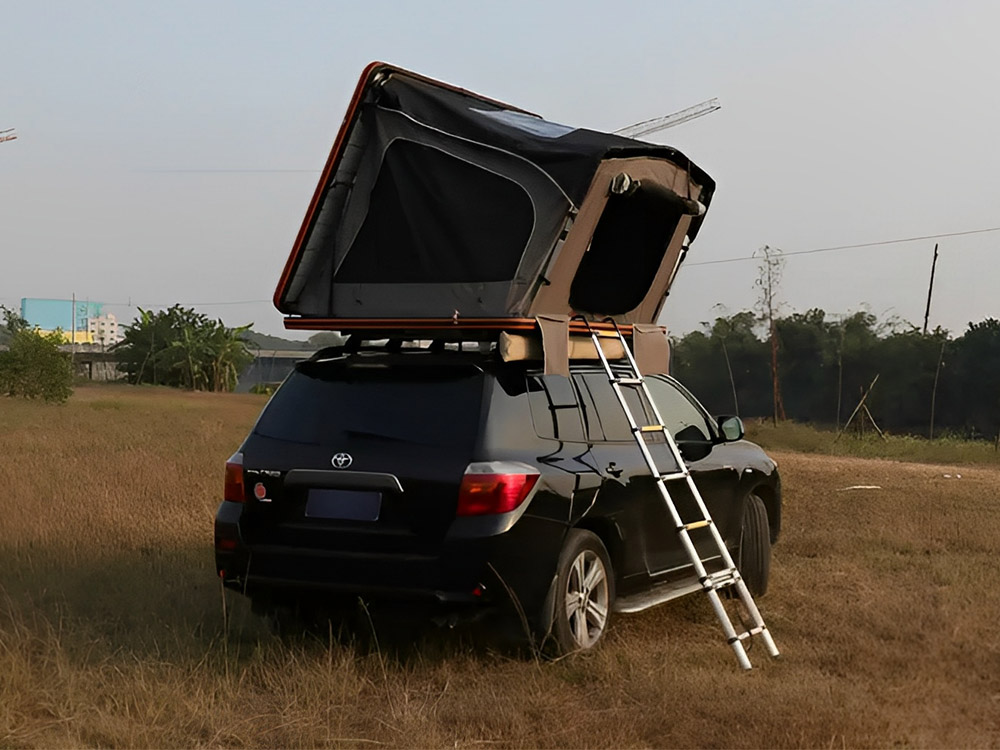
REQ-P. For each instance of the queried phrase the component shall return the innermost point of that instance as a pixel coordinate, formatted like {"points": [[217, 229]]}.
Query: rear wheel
{"points": [[754, 559], [584, 593]]}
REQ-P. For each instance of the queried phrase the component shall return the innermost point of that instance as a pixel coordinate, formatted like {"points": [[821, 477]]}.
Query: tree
{"points": [[182, 348], [33, 365], [973, 393], [769, 274], [809, 364], [725, 365]]}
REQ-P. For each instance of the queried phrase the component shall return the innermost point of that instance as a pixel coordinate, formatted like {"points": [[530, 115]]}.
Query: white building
{"points": [[104, 329]]}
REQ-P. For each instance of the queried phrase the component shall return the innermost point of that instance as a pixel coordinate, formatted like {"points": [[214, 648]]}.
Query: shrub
{"points": [[34, 367]]}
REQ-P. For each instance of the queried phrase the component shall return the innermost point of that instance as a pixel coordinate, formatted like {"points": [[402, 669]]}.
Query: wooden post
{"points": [[857, 408], [937, 372]]}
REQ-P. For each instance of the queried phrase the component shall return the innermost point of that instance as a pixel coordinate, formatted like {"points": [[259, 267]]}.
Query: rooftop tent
{"points": [[439, 203]]}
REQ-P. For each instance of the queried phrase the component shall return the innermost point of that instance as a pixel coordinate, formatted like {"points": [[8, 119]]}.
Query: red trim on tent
{"points": [[436, 324]]}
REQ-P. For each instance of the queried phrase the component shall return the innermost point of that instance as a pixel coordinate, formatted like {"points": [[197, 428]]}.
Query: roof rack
{"points": [[555, 340]]}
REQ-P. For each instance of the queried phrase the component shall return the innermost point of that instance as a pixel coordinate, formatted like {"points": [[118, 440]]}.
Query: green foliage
{"points": [[826, 366], [699, 360], [182, 348], [971, 371], [33, 366]]}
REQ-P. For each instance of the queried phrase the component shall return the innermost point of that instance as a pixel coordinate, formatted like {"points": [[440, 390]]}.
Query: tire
{"points": [[754, 560], [583, 593]]}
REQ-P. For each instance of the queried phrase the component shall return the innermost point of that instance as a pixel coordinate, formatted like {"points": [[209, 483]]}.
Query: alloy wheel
{"points": [[587, 598]]}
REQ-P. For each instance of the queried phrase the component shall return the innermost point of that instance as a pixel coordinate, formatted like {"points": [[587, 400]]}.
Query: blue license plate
{"points": [[346, 505]]}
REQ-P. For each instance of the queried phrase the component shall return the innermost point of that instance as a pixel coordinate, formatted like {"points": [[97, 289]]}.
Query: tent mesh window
{"points": [[627, 247], [434, 218]]}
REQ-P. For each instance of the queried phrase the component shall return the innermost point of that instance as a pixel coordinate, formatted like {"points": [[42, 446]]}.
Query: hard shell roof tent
{"points": [[437, 204]]}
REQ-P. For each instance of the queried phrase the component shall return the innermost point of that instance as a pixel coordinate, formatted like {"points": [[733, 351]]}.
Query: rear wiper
{"points": [[378, 435]]}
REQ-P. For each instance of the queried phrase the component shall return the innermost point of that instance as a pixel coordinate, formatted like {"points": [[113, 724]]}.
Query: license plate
{"points": [[346, 505]]}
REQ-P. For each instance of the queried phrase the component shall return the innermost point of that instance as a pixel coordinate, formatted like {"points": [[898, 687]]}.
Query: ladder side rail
{"points": [[675, 452], [755, 616], [654, 470], [759, 627], [732, 638], [710, 586]]}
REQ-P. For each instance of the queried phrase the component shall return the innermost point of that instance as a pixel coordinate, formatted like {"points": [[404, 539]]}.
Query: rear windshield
{"points": [[323, 402]]}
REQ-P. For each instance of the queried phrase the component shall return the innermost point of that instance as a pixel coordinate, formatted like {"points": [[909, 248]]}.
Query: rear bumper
{"points": [[493, 569]]}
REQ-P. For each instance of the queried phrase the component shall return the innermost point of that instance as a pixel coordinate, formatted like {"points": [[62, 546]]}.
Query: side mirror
{"points": [[731, 429]]}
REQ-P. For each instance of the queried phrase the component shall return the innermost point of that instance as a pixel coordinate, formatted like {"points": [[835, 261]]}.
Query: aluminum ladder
{"points": [[711, 583]]}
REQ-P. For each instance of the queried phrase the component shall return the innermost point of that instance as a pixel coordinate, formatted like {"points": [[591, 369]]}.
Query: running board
{"points": [[659, 595]]}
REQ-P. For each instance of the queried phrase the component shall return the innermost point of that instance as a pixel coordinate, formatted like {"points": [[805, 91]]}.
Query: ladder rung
{"points": [[747, 634], [605, 334], [674, 476], [650, 428], [696, 525], [628, 381], [720, 580]]}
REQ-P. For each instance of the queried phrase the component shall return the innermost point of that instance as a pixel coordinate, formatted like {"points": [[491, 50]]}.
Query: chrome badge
{"points": [[341, 460]]}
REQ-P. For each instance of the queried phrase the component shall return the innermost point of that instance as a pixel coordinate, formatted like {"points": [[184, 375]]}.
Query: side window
{"points": [[684, 420], [556, 411], [606, 420]]}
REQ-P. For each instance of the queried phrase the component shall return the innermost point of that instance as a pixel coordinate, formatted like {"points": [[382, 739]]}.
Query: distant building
{"points": [[80, 322], [104, 329]]}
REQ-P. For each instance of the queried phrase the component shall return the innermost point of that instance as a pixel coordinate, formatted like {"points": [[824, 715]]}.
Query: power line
{"points": [[852, 247], [188, 304], [225, 170]]}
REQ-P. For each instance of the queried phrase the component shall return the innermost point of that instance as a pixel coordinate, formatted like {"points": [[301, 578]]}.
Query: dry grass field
{"points": [[885, 603]]}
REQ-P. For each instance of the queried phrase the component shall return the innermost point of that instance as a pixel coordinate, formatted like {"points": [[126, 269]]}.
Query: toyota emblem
{"points": [[341, 460]]}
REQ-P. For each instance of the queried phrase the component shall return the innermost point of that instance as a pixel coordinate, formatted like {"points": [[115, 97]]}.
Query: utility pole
{"points": [[840, 370], [72, 335], [930, 289]]}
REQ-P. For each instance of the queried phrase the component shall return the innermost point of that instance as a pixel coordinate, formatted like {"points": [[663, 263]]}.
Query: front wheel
{"points": [[755, 546], [584, 593]]}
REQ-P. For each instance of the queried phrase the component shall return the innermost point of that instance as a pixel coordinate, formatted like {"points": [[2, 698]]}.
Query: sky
{"points": [[167, 152]]}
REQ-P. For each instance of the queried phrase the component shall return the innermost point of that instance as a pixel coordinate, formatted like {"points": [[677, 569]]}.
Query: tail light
{"points": [[234, 491], [495, 487]]}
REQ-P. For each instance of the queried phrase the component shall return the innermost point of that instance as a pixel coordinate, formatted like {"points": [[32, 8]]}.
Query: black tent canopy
{"points": [[439, 203]]}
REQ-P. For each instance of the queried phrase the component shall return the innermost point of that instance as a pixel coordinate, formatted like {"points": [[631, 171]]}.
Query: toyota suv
{"points": [[438, 473]]}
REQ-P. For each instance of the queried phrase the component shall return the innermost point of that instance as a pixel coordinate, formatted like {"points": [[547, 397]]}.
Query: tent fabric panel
{"points": [[651, 348], [570, 159]]}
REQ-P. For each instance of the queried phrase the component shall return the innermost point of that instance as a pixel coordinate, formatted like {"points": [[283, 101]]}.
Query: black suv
{"points": [[437, 471]]}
